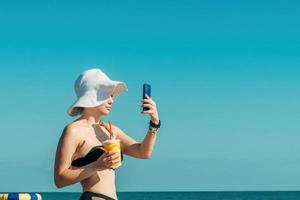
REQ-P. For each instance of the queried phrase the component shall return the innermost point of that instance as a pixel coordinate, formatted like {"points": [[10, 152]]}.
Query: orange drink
{"points": [[113, 145]]}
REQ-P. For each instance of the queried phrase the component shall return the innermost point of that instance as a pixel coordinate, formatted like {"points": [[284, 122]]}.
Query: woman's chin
{"points": [[106, 112]]}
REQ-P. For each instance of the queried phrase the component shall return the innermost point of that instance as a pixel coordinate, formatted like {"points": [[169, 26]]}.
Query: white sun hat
{"points": [[92, 88]]}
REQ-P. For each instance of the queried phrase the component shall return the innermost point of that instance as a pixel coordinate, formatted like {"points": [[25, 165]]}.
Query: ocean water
{"points": [[184, 195]]}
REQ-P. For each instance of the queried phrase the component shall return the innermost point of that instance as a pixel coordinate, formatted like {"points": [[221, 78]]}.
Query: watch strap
{"points": [[152, 124]]}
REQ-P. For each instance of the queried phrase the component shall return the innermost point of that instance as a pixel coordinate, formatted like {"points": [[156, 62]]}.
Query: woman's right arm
{"points": [[63, 174]]}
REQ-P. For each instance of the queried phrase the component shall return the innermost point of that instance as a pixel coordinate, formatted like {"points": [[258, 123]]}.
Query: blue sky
{"points": [[225, 76]]}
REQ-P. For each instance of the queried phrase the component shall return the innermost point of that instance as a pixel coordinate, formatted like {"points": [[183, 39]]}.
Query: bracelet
{"points": [[152, 124], [153, 130]]}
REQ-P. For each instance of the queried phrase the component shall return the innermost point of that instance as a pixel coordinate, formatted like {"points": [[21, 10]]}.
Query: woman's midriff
{"points": [[102, 182]]}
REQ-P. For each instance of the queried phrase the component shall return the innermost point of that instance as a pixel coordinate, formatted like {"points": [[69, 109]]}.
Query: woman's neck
{"points": [[91, 117]]}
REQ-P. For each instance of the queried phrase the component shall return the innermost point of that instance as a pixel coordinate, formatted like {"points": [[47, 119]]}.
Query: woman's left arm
{"points": [[133, 148]]}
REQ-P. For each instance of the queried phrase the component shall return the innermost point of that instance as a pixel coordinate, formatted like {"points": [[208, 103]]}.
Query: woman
{"points": [[96, 94]]}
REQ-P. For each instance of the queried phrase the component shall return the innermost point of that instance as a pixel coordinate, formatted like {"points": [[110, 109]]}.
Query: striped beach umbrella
{"points": [[20, 196]]}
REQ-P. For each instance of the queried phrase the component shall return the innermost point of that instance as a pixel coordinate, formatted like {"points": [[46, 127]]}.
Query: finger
{"points": [[111, 153], [147, 105], [149, 101], [147, 112], [150, 106], [108, 161], [116, 160], [115, 156], [151, 109], [148, 97], [146, 100], [105, 155]]}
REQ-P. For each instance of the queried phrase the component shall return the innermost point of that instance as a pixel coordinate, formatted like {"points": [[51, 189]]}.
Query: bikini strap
{"points": [[110, 129]]}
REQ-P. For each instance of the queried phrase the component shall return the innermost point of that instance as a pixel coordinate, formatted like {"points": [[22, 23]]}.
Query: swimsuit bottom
{"points": [[99, 196]]}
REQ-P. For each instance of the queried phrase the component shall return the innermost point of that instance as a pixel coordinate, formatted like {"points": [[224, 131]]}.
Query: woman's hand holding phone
{"points": [[149, 105]]}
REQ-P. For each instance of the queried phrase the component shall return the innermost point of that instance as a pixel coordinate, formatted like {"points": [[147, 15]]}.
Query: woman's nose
{"points": [[111, 99]]}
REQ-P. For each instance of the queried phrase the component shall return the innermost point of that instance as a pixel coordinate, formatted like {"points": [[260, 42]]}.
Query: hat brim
{"points": [[96, 98]]}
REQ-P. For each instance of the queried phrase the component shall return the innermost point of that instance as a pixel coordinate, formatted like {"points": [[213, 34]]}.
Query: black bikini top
{"points": [[92, 155]]}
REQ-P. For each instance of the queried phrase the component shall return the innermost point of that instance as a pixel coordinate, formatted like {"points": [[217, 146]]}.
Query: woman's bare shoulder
{"points": [[73, 130]]}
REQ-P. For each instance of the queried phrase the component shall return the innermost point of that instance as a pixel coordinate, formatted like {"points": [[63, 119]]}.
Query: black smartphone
{"points": [[146, 90]]}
